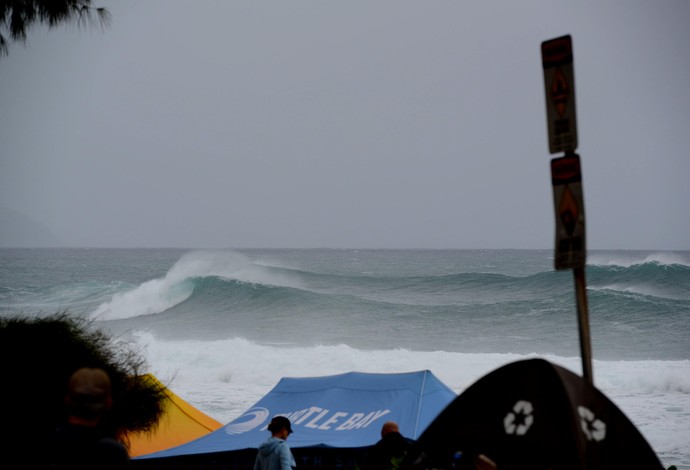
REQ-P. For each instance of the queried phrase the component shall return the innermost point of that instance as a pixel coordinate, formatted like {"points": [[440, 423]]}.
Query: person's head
{"points": [[280, 427], [89, 393], [389, 426]]}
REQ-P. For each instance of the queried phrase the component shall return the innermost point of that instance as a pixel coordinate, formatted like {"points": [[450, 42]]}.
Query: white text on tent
{"points": [[324, 419]]}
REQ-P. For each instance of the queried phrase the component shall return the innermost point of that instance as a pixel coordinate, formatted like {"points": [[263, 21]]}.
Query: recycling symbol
{"points": [[519, 420], [594, 428]]}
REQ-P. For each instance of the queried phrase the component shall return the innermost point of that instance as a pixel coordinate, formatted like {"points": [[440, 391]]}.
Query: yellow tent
{"points": [[180, 423]]}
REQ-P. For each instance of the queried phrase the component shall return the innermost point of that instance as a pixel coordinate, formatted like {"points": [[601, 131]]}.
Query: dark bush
{"points": [[37, 357]]}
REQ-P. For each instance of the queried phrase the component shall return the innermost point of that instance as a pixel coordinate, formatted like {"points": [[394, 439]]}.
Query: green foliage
{"points": [[37, 357], [16, 16]]}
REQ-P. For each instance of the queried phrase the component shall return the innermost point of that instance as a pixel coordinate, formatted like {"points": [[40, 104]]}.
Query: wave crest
{"points": [[159, 295], [630, 259]]}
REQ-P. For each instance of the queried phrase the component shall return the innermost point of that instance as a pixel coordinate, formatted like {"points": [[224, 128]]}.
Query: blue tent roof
{"points": [[344, 411]]}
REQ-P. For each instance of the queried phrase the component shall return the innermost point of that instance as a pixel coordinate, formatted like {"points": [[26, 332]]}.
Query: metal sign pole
{"points": [[566, 178], [583, 323]]}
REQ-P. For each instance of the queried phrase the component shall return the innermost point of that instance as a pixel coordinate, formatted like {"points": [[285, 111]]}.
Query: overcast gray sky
{"points": [[351, 124]]}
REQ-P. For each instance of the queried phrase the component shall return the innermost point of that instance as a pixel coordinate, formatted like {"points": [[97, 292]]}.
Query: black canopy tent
{"points": [[537, 415]]}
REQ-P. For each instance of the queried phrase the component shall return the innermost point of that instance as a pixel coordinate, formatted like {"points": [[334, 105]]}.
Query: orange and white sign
{"points": [[559, 84]]}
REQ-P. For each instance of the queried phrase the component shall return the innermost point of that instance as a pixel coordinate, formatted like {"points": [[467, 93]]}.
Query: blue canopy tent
{"points": [[334, 419]]}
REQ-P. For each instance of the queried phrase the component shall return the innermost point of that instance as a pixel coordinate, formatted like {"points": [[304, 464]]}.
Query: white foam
{"points": [[153, 296]]}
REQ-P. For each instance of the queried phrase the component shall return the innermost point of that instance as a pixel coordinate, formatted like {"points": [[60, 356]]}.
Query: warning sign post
{"points": [[566, 178]]}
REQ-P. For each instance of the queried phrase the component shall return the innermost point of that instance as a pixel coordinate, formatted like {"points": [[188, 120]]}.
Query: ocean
{"points": [[221, 327]]}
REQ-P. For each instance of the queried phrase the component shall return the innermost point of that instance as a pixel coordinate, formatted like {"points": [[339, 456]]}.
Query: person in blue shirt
{"points": [[274, 453]]}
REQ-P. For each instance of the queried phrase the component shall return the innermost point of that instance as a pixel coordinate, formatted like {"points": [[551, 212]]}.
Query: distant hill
{"points": [[21, 231]]}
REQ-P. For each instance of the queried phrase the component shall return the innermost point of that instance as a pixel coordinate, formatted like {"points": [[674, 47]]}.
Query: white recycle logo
{"points": [[593, 428], [520, 419]]}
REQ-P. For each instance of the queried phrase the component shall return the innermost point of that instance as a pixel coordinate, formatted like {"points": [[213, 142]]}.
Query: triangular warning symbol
{"points": [[560, 92], [568, 210]]}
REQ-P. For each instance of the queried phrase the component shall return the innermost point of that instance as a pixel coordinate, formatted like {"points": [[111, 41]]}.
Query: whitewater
{"points": [[221, 327]]}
